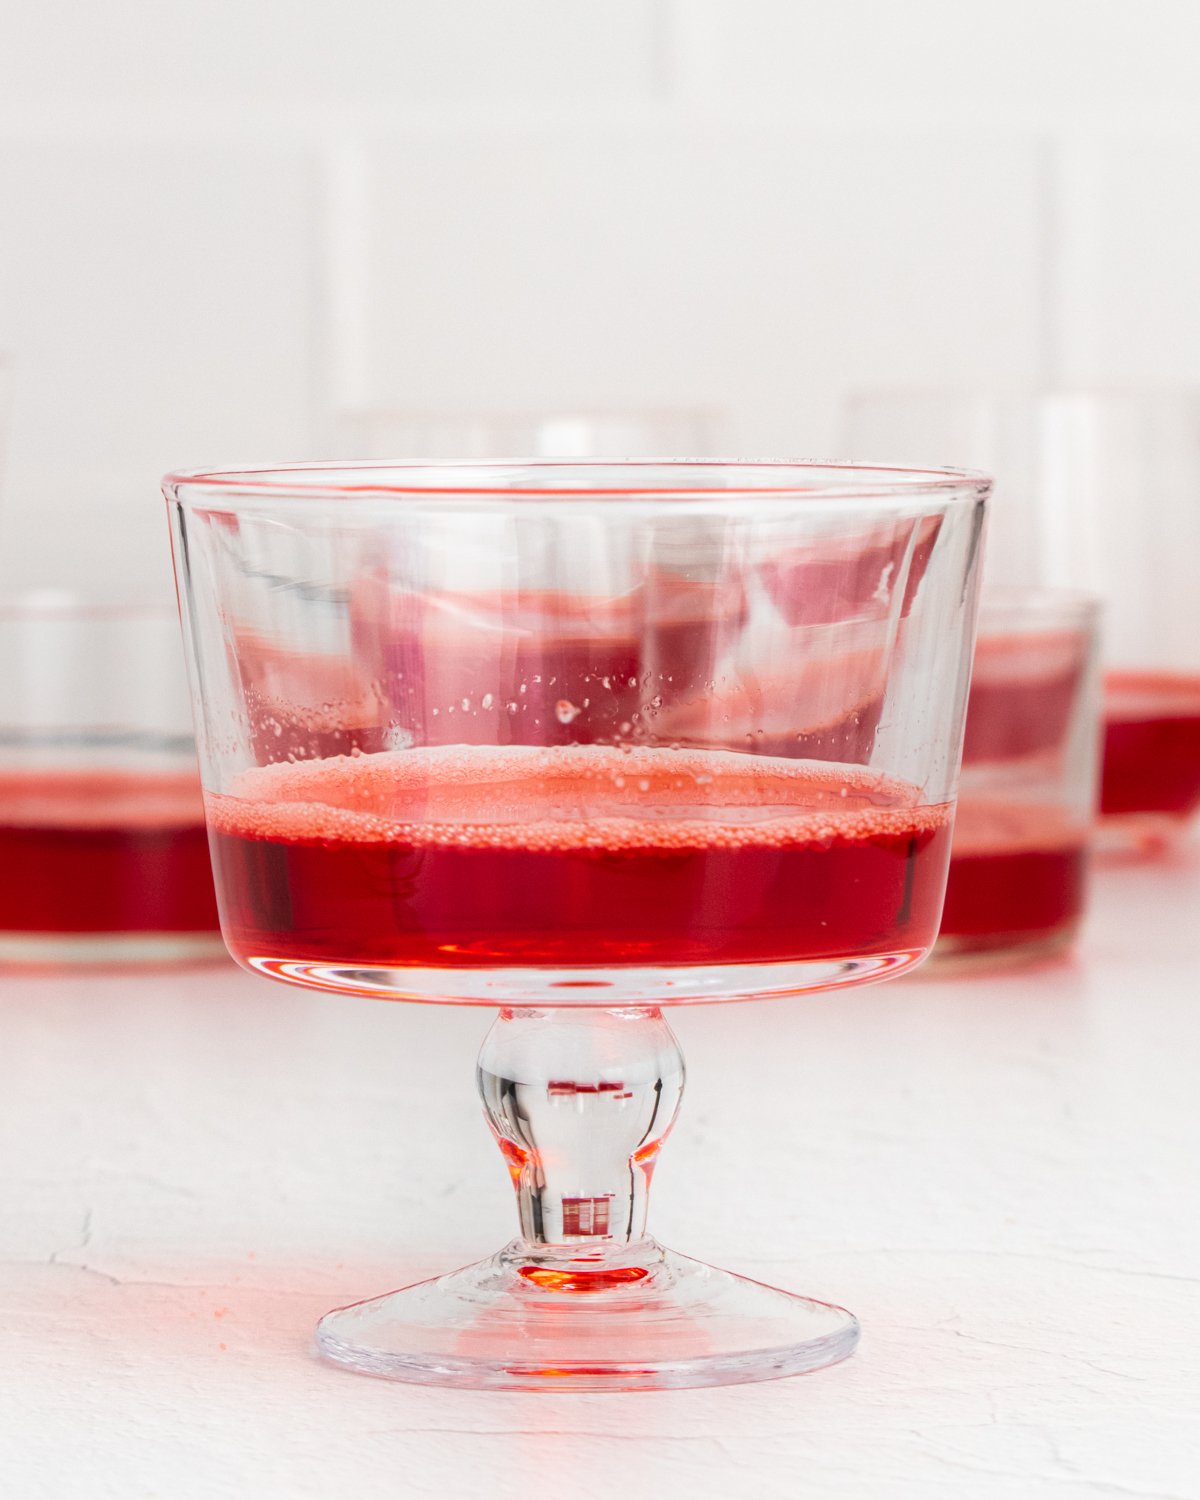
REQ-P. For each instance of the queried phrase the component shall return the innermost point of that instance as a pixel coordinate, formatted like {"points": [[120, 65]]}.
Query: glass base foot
{"points": [[111, 950], [954, 954], [643, 1319]]}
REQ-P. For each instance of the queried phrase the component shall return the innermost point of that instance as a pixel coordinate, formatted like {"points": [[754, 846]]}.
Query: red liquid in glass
{"points": [[1151, 744], [483, 857], [1017, 875], [104, 852]]}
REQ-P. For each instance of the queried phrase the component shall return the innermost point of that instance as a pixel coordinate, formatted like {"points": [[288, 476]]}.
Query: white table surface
{"points": [[999, 1175]]}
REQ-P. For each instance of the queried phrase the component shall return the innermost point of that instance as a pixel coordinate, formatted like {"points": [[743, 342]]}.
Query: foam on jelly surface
{"points": [[578, 797]]}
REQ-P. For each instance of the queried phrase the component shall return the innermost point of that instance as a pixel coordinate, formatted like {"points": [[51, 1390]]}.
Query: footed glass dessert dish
{"points": [[580, 742]]}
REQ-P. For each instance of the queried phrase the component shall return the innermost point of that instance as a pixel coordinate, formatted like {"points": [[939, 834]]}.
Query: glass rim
{"points": [[1036, 606], [515, 479], [487, 412], [1023, 394], [50, 605]]}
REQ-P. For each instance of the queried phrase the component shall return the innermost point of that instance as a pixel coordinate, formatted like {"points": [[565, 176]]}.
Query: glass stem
{"points": [[580, 1101]]}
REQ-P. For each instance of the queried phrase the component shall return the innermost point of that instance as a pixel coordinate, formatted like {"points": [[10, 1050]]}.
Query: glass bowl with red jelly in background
{"points": [[103, 851], [1017, 887], [1098, 491]]}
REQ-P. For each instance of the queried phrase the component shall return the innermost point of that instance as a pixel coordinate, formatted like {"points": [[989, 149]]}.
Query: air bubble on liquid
{"points": [[607, 681], [633, 682], [565, 711], [626, 726], [466, 705], [487, 700], [643, 785]]}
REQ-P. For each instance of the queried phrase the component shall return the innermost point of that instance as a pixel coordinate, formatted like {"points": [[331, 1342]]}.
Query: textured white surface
{"points": [[998, 1175]]}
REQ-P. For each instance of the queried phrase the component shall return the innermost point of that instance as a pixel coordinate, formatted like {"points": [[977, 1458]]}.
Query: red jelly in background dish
{"points": [[104, 852], [1017, 877], [1151, 744], [1018, 868]]}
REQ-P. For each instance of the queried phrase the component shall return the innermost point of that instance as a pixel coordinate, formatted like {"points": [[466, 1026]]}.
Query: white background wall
{"points": [[222, 221]]}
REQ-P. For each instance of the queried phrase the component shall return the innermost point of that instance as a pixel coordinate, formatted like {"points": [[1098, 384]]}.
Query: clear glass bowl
{"points": [[581, 741]]}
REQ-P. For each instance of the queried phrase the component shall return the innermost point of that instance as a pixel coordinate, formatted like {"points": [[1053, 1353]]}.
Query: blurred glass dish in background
{"points": [[103, 852], [1026, 800], [1097, 491], [569, 432]]}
